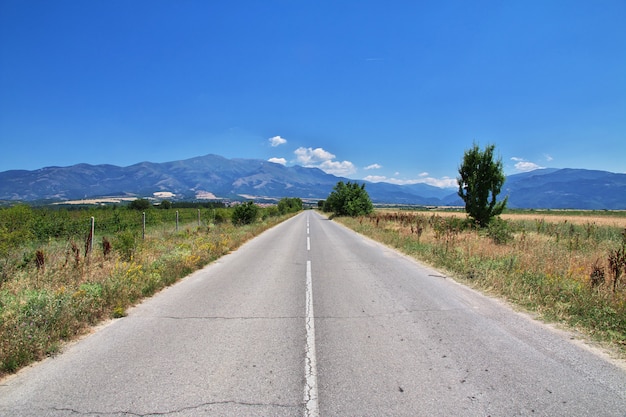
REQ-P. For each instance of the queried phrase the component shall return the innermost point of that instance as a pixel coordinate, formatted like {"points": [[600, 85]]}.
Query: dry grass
{"points": [[611, 219], [545, 266]]}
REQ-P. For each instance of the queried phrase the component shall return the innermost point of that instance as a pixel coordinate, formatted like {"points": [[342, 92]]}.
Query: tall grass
{"points": [[53, 291], [557, 269]]}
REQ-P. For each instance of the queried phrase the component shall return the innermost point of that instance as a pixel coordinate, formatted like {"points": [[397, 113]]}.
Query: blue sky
{"points": [[379, 90]]}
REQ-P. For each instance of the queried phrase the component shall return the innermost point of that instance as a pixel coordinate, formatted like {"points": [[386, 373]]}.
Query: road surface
{"points": [[312, 319]]}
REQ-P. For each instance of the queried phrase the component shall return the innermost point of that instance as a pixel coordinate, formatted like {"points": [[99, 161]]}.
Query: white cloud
{"points": [[324, 160], [525, 166], [281, 161], [310, 156], [549, 158], [375, 178], [277, 141], [338, 168], [373, 166], [444, 182]]}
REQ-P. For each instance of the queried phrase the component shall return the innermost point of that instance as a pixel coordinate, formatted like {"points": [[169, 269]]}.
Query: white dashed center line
{"points": [[310, 365]]}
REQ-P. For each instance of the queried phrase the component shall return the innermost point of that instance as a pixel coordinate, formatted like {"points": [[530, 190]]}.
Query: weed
{"points": [[76, 253], [118, 312], [617, 264], [106, 247], [596, 277], [499, 231], [40, 260], [125, 244]]}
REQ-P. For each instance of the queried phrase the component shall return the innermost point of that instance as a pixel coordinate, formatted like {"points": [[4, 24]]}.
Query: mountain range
{"points": [[213, 176]]}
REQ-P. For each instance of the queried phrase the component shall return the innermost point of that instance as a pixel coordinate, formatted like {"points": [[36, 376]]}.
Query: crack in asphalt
{"points": [[179, 410], [363, 316], [393, 314], [310, 389], [230, 318], [310, 366]]}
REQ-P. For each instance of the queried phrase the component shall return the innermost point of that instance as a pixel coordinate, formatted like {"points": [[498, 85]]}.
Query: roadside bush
{"points": [[245, 213], [125, 243], [499, 231], [222, 215], [271, 211], [289, 205]]}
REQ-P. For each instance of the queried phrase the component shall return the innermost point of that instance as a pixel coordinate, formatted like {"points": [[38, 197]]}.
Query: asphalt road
{"points": [[311, 319]]}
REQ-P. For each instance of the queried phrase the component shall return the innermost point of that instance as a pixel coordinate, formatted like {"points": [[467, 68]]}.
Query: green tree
{"points": [[165, 204], [349, 199], [139, 204], [480, 181], [289, 205], [245, 213]]}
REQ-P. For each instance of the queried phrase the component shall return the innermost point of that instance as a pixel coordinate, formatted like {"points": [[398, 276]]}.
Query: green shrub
{"points": [[165, 204], [245, 213], [499, 231], [289, 205], [139, 204], [125, 243], [221, 215], [16, 224]]}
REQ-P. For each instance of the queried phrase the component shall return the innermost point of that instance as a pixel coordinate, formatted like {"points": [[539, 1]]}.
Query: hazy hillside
{"points": [[233, 178], [567, 188]]}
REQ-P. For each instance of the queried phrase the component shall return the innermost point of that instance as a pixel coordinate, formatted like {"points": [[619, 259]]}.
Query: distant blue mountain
{"points": [[567, 189], [236, 178]]}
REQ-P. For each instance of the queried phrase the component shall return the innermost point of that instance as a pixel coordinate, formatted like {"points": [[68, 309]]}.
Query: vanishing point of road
{"points": [[311, 319]]}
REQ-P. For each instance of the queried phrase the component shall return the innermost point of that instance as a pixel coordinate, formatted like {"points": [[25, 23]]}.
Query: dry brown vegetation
{"points": [[561, 266], [609, 219]]}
